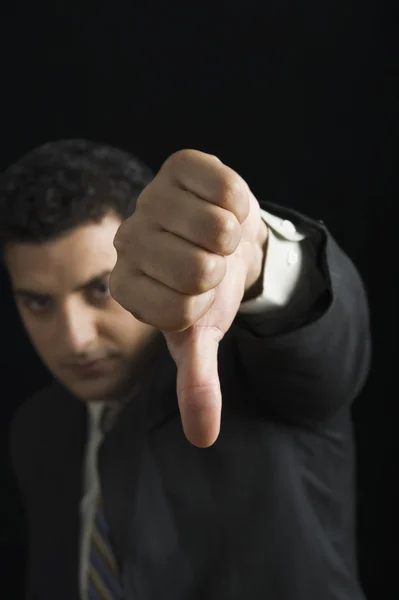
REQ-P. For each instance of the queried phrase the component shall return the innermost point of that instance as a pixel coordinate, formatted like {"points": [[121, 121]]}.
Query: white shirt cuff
{"points": [[283, 267]]}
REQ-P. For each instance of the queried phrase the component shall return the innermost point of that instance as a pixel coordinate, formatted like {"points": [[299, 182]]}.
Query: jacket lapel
{"points": [[55, 500]]}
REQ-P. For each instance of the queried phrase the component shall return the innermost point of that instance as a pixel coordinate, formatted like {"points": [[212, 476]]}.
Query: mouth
{"points": [[91, 368]]}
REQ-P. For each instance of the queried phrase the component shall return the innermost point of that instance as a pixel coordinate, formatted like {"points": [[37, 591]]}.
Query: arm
{"points": [[186, 269], [308, 358]]}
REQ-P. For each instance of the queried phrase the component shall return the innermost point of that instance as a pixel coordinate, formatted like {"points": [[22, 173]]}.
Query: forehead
{"points": [[62, 264]]}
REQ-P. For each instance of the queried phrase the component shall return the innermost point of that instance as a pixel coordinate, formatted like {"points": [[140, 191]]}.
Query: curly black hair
{"points": [[64, 184]]}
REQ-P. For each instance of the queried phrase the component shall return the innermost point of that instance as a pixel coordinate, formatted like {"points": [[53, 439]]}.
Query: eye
{"points": [[37, 305], [99, 291]]}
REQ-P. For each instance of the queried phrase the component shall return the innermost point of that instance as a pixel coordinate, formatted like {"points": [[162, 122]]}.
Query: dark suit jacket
{"points": [[265, 513]]}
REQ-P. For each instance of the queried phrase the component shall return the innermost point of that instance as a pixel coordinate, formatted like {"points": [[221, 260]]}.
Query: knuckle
{"points": [[226, 232], [230, 187], [115, 287], [180, 318], [144, 201], [183, 322], [120, 286], [120, 239], [125, 234], [188, 313], [176, 161], [207, 271]]}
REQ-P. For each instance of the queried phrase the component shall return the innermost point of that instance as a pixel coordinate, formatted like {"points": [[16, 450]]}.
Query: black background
{"points": [[298, 97]]}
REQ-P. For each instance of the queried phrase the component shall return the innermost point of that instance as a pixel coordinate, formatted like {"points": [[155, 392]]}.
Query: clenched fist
{"points": [[194, 245]]}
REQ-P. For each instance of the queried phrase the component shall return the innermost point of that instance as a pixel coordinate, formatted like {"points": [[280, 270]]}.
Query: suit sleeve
{"points": [[317, 361]]}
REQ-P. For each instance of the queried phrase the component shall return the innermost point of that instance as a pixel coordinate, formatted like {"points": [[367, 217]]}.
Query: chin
{"points": [[91, 391]]}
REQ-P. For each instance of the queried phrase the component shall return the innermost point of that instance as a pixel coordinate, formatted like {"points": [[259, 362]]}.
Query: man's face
{"points": [[85, 338]]}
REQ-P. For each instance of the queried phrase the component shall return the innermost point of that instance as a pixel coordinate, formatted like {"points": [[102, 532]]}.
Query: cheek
{"points": [[124, 329], [41, 334]]}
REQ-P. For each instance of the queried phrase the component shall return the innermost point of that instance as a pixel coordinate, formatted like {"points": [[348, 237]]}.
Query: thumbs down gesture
{"points": [[187, 256]]}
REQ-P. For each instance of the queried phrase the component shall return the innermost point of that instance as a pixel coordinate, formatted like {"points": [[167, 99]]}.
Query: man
{"points": [[261, 313]]}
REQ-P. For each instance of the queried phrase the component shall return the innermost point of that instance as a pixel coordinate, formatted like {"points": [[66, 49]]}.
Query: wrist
{"points": [[254, 281]]}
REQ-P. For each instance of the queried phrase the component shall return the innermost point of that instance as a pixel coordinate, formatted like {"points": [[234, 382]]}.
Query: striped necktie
{"points": [[103, 577], [104, 581]]}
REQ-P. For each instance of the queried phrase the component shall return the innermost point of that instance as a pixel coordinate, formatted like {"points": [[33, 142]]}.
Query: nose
{"points": [[79, 328]]}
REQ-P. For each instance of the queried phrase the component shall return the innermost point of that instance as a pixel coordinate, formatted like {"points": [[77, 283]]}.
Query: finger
{"points": [[176, 263], [193, 219], [208, 178], [156, 304], [198, 388]]}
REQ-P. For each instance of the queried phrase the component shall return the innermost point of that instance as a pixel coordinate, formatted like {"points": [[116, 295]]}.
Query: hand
{"points": [[194, 245]]}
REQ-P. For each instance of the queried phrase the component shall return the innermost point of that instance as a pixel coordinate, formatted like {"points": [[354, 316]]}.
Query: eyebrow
{"points": [[26, 293]]}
